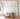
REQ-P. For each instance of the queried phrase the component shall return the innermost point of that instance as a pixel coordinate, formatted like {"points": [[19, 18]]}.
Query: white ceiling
{"points": [[8, 3]]}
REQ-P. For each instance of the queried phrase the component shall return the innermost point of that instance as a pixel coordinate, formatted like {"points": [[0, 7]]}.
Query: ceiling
{"points": [[8, 3], [8, 0]]}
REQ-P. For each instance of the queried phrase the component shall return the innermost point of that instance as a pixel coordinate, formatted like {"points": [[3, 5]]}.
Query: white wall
{"points": [[9, 9], [9, 6]]}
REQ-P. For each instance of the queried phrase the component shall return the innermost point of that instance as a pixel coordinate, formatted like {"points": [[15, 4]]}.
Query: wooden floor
{"points": [[14, 18], [18, 17]]}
